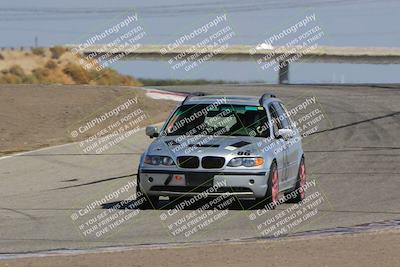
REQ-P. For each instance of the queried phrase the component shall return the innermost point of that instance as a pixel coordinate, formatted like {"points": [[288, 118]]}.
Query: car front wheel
{"points": [[272, 194], [298, 193]]}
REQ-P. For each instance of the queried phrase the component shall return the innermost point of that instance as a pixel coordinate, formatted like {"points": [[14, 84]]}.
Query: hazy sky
{"points": [[344, 22]]}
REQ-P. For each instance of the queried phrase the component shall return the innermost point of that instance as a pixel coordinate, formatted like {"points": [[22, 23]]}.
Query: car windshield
{"points": [[227, 120]]}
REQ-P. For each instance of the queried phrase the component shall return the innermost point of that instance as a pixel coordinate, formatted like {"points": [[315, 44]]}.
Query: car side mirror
{"points": [[152, 131], [285, 133]]}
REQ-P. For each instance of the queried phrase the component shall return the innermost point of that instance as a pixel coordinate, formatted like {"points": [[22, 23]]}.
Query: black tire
{"points": [[301, 180], [272, 193]]}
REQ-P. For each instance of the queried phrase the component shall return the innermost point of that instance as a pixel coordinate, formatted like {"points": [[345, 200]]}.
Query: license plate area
{"points": [[199, 179]]}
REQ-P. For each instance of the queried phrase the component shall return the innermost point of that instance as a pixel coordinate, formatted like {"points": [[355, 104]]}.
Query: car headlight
{"points": [[159, 160], [246, 162]]}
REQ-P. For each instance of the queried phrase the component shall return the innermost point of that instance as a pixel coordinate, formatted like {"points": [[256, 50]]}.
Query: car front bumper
{"points": [[189, 183]]}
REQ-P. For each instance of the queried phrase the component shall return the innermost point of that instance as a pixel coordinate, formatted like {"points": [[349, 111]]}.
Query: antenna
{"points": [[193, 94]]}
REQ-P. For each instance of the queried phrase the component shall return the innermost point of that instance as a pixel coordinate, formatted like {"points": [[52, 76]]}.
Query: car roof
{"points": [[227, 99]]}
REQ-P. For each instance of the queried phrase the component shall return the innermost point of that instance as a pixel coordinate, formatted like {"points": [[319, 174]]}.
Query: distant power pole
{"points": [[36, 41]]}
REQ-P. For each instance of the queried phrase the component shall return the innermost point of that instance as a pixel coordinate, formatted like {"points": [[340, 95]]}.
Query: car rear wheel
{"points": [[272, 193], [298, 192]]}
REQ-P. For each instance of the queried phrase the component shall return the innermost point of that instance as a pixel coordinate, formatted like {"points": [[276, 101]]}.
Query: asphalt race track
{"points": [[353, 157]]}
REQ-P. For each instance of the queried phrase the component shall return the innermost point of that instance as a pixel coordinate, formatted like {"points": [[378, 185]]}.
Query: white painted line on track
{"points": [[59, 146], [152, 93], [165, 95]]}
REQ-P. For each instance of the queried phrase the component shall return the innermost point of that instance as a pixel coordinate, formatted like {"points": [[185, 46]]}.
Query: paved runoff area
{"points": [[50, 197]]}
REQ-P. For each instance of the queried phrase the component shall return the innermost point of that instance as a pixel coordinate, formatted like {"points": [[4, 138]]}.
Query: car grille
{"points": [[212, 162], [188, 162]]}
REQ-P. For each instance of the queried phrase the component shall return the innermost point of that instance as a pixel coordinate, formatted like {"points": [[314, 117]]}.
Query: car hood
{"points": [[206, 145]]}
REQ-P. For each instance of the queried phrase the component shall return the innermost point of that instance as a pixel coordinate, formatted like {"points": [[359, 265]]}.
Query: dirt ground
{"points": [[36, 116], [367, 249]]}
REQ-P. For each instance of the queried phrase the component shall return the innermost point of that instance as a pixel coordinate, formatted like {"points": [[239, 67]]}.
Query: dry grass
{"points": [[38, 51], [51, 64], [57, 51], [78, 74], [55, 65]]}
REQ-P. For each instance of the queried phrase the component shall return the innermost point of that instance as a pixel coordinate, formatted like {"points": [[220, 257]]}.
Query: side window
{"points": [[289, 120], [276, 123], [282, 116]]}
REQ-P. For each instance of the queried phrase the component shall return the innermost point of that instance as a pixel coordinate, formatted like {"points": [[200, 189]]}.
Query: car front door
{"points": [[279, 149], [293, 144]]}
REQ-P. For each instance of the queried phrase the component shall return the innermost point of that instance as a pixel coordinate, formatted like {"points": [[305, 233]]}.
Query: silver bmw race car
{"points": [[241, 145]]}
